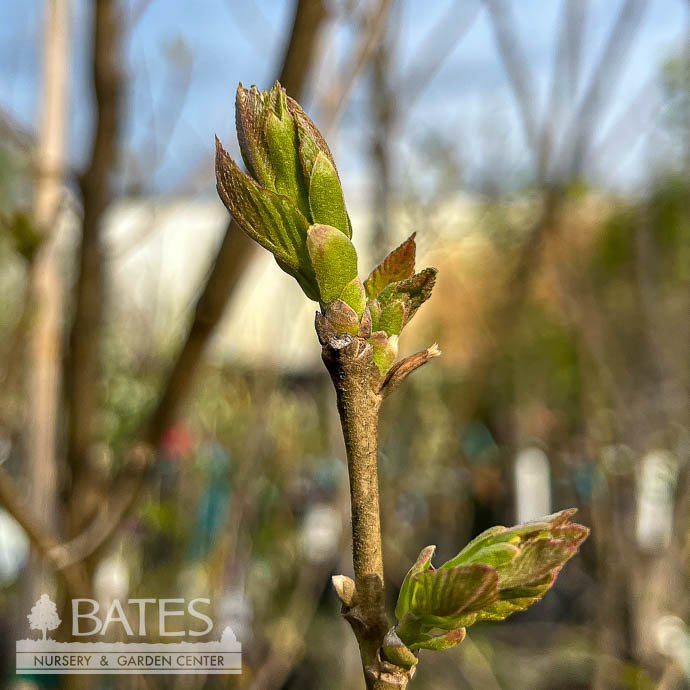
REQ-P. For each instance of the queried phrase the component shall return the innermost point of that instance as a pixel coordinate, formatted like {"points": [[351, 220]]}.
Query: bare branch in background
{"points": [[45, 283], [564, 79], [517, 69], [440, 42], [373, 25], [627, 130], [236, 249], [82, 374], [601, 85], [14, 132], [575, 17], [40, 535], [384, 121], [162, 125], [229, 264]]}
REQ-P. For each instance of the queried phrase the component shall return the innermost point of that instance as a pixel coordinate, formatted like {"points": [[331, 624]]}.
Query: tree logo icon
{"points": [[44, 615]]}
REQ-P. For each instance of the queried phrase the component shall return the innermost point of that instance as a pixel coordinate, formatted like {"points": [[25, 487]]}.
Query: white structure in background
{"points": [[656, 483], [14, 548], [532, 484], [111, 580], [673, 640], [235, 610], [159, 253], [321, 532]]}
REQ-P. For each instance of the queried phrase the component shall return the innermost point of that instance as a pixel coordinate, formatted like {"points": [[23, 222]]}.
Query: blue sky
{"points": [[238, 40]]}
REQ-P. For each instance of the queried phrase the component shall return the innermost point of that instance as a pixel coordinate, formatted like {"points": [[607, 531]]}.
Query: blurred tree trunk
{"points": [[236, 249], [383, 119], [83, 363], [45, 283]]}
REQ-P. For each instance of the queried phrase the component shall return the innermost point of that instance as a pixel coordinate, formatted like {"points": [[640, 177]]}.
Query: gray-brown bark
{"points": [[356, 380]]}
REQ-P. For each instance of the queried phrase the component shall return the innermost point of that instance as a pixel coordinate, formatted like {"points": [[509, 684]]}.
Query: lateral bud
{"points": [[396, 652], [345, 589]]}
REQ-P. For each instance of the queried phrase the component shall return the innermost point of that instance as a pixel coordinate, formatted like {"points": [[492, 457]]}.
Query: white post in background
{"points": [[655, 500], [532, 484]]}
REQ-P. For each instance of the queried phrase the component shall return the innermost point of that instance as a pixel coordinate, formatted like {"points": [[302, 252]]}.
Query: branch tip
{"points": [[345, 589], [402, 369]]}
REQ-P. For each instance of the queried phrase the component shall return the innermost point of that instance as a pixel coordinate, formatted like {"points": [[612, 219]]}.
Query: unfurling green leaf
{"points": [[250, 116], [395, 292], [417, 288], [325, 195], [397, 266], [393, 317], [292, 204], [334, 260], [292, 184], [422, 564], [501, 571], [385, 350], [353, 294], [268, 218], [439, 597], [396, 652], [281, 140], [438, 643]]}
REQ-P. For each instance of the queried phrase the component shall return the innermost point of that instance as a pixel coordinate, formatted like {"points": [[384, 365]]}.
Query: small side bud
{"points": [[345, 589], [395, 651], [342, 317]]}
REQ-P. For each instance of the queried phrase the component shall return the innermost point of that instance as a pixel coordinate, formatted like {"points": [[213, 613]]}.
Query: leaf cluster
{"points": [[292, 204], [500, 572]]}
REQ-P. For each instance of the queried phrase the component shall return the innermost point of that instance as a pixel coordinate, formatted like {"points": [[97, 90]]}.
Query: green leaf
{"points": [[517, 599], [496, 555], [519, 535], [281, 142], [440, 642], [325, 195], [527, 558], [311, 142], [392, 318], [479, 542], [440, 596], [268, 218], [535, 560], [501, 571], [397, 266], [375, 312], [334, 260], [353, 294], [385, 350], [396, 652], [422, 564], [250, 116], [417, 289]]}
